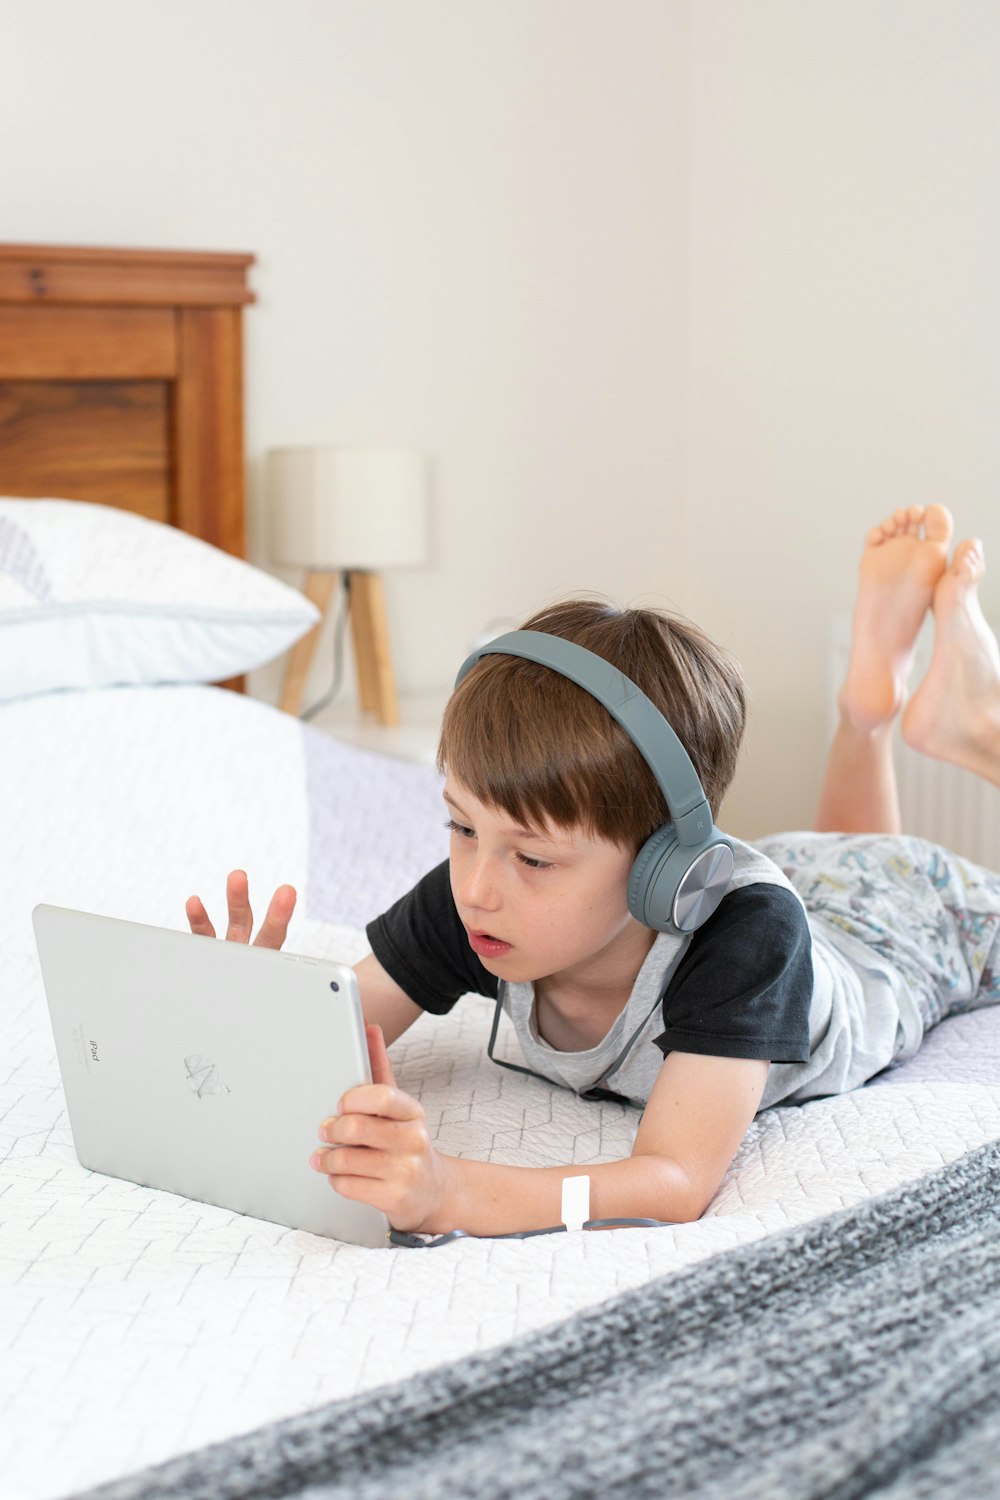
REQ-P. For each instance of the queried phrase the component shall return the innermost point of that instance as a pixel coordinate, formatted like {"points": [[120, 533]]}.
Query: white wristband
{"points": [[575, 1201]]}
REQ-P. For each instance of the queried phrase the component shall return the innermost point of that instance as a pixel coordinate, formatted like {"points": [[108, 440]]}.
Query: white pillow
{"points": [[91, 596]]}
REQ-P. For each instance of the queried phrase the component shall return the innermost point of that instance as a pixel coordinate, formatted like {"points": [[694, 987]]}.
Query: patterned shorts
{"points": [[930, 915]]}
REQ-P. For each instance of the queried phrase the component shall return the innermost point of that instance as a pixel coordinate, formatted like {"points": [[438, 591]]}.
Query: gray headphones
{"points": [[683, 870]]}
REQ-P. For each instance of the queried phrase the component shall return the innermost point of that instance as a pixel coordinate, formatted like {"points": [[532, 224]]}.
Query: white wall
{"points": [[845, 239], [679, 296]]}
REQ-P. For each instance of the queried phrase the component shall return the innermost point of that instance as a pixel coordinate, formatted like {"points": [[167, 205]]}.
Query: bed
{"points": [[160, 1346]]}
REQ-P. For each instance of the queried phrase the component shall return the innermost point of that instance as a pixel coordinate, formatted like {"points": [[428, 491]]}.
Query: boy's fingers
{"points": [[238, 901], [366, 1132], [351, 1161], [274, 928], [197, 917], [379, 1057], [380, 1099]]}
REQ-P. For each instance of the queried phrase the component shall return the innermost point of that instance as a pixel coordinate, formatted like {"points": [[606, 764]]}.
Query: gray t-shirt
{"points": [[629, 1057], [741, 986]]}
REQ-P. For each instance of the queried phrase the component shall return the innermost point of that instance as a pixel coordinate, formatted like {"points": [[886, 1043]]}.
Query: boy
{"points": [[828, 957]]}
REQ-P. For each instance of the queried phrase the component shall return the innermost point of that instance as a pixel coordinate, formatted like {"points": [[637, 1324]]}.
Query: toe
{"points": [[969, 563], [938, 524], [892, 526]]}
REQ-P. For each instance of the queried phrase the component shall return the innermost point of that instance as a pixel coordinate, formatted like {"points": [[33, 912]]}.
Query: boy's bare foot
{"points": [[954, 714], [903, 560]]}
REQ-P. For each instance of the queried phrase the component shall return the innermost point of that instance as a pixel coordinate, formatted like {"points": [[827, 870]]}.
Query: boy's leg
{"points": [[902, 563], [954, 714], [858, 793]]}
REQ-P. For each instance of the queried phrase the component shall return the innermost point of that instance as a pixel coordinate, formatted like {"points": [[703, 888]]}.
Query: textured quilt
{"points": [[856, 1357], [139, 1326]]}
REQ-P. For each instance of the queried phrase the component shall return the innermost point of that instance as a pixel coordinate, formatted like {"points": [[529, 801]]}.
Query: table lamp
{"points": [[348, 512]]}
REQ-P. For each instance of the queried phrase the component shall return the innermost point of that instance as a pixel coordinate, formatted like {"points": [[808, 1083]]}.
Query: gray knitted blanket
{"points": [[858, 1355]]}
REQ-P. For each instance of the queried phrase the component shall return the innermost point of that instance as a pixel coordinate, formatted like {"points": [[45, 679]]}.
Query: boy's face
{"points": [[541, 903]]}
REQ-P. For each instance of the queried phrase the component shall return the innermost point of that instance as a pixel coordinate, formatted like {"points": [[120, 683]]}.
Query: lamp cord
{"points": [[339, 627]]}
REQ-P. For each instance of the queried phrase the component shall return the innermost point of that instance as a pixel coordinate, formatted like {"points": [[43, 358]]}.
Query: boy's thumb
{"points": [[378, 1056]]}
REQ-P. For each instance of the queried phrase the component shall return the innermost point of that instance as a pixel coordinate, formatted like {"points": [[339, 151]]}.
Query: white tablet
{"points": [[203, 1067]]}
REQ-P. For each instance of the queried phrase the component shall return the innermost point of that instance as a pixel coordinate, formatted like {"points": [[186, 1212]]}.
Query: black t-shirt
{"points": [[742, 987]]}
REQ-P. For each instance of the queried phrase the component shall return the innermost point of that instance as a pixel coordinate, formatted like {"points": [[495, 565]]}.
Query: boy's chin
{"points": [[508, 967]]}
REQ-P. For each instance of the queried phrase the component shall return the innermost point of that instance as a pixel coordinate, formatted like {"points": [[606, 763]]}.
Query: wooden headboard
{"points": [[121, 381]]}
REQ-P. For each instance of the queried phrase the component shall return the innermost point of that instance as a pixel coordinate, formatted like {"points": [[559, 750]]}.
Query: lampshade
{"points": [[342, 508]]}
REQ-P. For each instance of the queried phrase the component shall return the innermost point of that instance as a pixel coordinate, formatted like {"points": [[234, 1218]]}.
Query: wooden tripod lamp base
{"points": [[370, 633], [348, 512]]}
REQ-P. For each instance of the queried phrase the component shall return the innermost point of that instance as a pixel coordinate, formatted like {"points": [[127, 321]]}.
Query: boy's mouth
{"points": [[487, 946]]}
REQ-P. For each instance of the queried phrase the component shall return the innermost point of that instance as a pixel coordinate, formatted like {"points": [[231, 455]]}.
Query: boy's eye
{"points": [[461, 831], [534, 864]]}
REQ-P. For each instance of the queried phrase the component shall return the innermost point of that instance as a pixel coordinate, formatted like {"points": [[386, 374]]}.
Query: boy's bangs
{"points": [[545, 753], [526, 783]]}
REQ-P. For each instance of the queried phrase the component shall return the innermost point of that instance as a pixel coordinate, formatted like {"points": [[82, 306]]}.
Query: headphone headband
{"points": [[628, 705]]}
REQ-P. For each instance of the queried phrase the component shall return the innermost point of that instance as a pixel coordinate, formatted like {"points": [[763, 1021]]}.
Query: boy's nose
{"points": [[478, 888]]}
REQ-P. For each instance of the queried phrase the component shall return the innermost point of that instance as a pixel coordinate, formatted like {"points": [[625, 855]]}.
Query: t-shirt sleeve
{"points": [[744, 986], [421, 944]]}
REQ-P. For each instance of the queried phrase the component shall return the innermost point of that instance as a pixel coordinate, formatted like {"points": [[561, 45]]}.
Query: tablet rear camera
{"points": [[334, 985]]}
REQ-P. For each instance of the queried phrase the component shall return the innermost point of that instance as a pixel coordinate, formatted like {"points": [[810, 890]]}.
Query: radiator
{"points": [[937, 801]]}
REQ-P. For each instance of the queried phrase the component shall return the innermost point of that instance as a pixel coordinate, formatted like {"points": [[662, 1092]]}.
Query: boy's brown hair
{"points": [[526, 740]]}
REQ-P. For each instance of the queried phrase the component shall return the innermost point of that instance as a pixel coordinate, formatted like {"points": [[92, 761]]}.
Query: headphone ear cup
{"points": [[675, 887], [643, 880]]}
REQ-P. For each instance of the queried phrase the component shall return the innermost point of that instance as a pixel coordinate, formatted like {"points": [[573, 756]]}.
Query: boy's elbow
{"points": [[678, 1196]]}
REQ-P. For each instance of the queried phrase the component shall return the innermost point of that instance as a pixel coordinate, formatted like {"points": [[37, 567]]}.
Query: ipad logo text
{"points": [[84, 1047], [203, 1077]]}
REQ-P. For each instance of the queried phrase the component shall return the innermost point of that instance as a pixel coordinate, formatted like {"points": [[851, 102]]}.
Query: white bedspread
{"points": [[137, 1325]]}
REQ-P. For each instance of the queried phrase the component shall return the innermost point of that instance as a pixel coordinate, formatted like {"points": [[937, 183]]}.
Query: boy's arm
{"points": [[698, 1112], [383, 1002]]}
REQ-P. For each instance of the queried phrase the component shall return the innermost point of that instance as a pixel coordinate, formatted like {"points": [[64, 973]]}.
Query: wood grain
{"points": [[318, 589], [87, 343], [208, 415], [103, 441], [372, 651], [134, 278]]}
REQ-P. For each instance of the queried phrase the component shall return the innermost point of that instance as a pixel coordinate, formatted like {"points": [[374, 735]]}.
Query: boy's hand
{"points": [[273, 929], [379, 1149]]}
